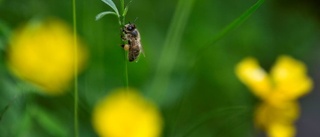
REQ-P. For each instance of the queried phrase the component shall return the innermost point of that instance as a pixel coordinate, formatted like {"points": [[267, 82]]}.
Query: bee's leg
{"points": [[123, 37]]}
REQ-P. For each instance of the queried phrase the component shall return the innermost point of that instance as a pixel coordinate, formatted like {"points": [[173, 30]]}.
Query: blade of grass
{"points": [[234, 24], [76, 98], [196, 54], [100, 15], [122, 6], [124, 13], [170, 50], [112, 5]]}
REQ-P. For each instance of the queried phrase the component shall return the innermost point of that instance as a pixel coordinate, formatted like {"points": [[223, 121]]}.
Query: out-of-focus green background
{"points": [[208, 86]]}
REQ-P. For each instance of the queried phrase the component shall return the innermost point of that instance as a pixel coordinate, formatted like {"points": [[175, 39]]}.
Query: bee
{"points": [[132, 35]]}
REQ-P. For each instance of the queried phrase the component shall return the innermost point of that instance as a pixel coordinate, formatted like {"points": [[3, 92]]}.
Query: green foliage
{"points": [[126, 9], [121, 16], [112, 5], [170, 49], [48, 122], [4, 35], [100, 15], [235, 23], [173, 41], [191, 50], [3, 111]]}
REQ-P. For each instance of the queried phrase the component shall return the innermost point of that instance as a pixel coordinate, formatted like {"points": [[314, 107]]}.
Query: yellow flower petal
{"points": [[281, 130], [42, 53], [126, 114], [252, 75], [267, 114], [290, 78]]}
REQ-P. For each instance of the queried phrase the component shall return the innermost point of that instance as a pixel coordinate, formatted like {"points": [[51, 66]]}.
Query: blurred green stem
{"points": [[126, 69], [170, 50], [76, 126]]}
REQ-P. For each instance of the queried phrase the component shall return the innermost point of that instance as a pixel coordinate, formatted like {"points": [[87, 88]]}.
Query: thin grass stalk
{"points": [[196, 55], [76, 98], [234, 24], [169, 53]]}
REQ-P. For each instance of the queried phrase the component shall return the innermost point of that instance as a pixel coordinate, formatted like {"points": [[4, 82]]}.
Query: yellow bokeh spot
{"points": [[42, 53], [125, 113]]}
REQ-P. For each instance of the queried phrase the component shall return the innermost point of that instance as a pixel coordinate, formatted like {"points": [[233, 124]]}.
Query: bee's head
{"points": [[129, 27]]}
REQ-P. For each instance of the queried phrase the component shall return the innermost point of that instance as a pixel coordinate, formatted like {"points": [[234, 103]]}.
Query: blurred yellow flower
{"points": [[278, 121], [125, 113], [287, 81], [279, 91], [42, 53]]}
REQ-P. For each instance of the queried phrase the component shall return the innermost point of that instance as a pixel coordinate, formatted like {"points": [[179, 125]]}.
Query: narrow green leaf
{"points": [[170, 51], [126, 9], [100, 15], [231, 26], [234, 24], [112, 5]]}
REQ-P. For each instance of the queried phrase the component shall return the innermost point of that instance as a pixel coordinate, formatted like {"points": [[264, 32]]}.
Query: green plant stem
{"points": [[76, 130], [170, 50], [121, 18], [122, 22], [126, 70]]}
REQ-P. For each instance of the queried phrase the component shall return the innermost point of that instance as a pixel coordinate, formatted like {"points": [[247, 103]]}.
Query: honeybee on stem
{"points": [[132, 35]]}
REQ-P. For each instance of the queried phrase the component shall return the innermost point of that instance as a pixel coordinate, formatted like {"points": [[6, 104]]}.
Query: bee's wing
{"points": [[142, 51]]}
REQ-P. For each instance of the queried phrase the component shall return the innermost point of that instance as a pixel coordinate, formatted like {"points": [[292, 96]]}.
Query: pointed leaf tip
{"points": [[100, 15], [112, 5]]}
